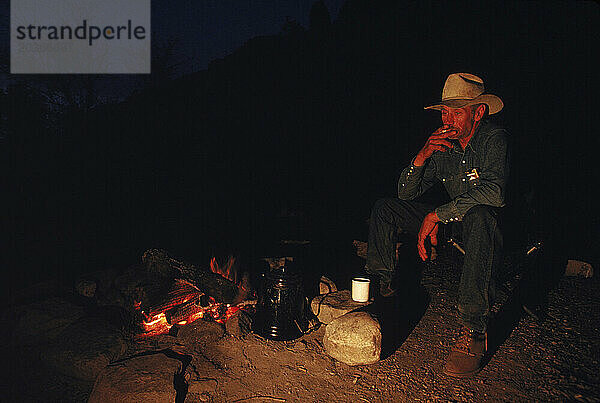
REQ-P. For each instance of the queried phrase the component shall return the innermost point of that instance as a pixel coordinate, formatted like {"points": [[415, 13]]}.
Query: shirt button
{"points": [[464, 179], [443, 179], [463, 161], [403, 184]]}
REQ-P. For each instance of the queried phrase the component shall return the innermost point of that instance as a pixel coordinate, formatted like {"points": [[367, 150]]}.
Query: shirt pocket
{"points": [[455, 184]]}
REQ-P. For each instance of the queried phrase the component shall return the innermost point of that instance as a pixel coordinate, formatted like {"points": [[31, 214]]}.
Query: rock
{"points": [[200, 331], [129, 286], [326, 285], [203, 386], [328, 307], [354, 339], [84, 349], [579, 268], [147, 378], [239, 324], [86, 288], [99, 287], [42, 322]]}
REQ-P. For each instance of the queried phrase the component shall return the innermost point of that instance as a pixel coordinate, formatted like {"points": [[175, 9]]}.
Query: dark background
{"points": [[292, 135]]}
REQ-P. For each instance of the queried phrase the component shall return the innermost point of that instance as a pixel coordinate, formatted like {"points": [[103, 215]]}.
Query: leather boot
{"points": [[380, 288], [467, 354], [386, 290]]}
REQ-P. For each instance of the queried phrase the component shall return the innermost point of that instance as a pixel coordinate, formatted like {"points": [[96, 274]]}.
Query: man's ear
{"points": [[479, 112]]}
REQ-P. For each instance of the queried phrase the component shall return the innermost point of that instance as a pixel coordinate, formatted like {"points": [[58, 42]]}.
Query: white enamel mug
{"points": [[360, 289]]}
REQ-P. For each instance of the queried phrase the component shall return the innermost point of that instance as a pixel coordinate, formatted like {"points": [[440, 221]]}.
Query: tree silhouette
{"points": [[291, 27], [320, 20]]}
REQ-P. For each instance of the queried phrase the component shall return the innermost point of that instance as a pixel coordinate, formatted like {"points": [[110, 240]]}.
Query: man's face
{"points": [[460, 119]]}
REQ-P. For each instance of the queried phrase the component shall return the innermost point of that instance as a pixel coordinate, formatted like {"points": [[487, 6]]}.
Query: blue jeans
{"points": [[481, 240]]}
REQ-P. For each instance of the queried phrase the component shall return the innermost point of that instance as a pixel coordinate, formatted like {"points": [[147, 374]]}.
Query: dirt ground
{"points": [[553, 358]]}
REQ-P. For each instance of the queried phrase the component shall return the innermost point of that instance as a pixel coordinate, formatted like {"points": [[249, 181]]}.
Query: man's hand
{"points": [[429, 228], [436, 142]]}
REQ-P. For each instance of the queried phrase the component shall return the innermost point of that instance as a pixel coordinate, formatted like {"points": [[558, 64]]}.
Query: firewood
{"points": [[159, 262]]}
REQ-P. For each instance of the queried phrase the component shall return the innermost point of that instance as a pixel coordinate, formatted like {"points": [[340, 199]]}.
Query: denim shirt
{"points": [[476, 175]]}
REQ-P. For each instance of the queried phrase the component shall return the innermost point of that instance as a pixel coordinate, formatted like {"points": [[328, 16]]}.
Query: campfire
{"points": [[189, 296]]}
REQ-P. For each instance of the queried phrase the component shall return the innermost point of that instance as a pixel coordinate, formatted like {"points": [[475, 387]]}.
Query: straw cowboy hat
{"points": [[462, 89]]}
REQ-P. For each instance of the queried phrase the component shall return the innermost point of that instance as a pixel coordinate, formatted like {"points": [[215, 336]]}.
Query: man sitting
{"points": [[469, 156]]}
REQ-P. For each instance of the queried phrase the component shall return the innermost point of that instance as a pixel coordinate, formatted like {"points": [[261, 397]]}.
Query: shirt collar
{"points": [[475, 142]]}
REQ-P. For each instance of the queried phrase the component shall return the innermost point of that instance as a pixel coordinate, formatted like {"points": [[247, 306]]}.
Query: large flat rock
{"points": [[200, 332], [147, 379], [84, 349], [43, 321], [330, 306]]}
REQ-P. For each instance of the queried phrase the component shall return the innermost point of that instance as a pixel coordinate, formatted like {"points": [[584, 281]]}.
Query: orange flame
{"points": [[226, 270], [229, 272]]}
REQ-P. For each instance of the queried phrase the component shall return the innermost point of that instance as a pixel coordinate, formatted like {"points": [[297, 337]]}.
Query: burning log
{"points": [[159, 322], [191, 294], [187, 313], [214, 284], [181, 292]]}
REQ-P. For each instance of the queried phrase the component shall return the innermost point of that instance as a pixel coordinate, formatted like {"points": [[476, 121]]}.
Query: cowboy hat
{"points": [[462, 89]]}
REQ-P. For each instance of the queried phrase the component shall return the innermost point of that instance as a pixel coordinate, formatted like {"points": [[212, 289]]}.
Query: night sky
{"points": [[317, 122], [201, 31]]}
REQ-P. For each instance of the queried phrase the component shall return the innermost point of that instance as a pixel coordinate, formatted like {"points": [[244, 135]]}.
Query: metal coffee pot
{"points": [[281, 311]]}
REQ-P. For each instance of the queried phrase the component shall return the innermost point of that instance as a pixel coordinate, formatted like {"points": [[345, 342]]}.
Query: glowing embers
{"points": [[185, 303], [229, 312], [157, 324]]}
